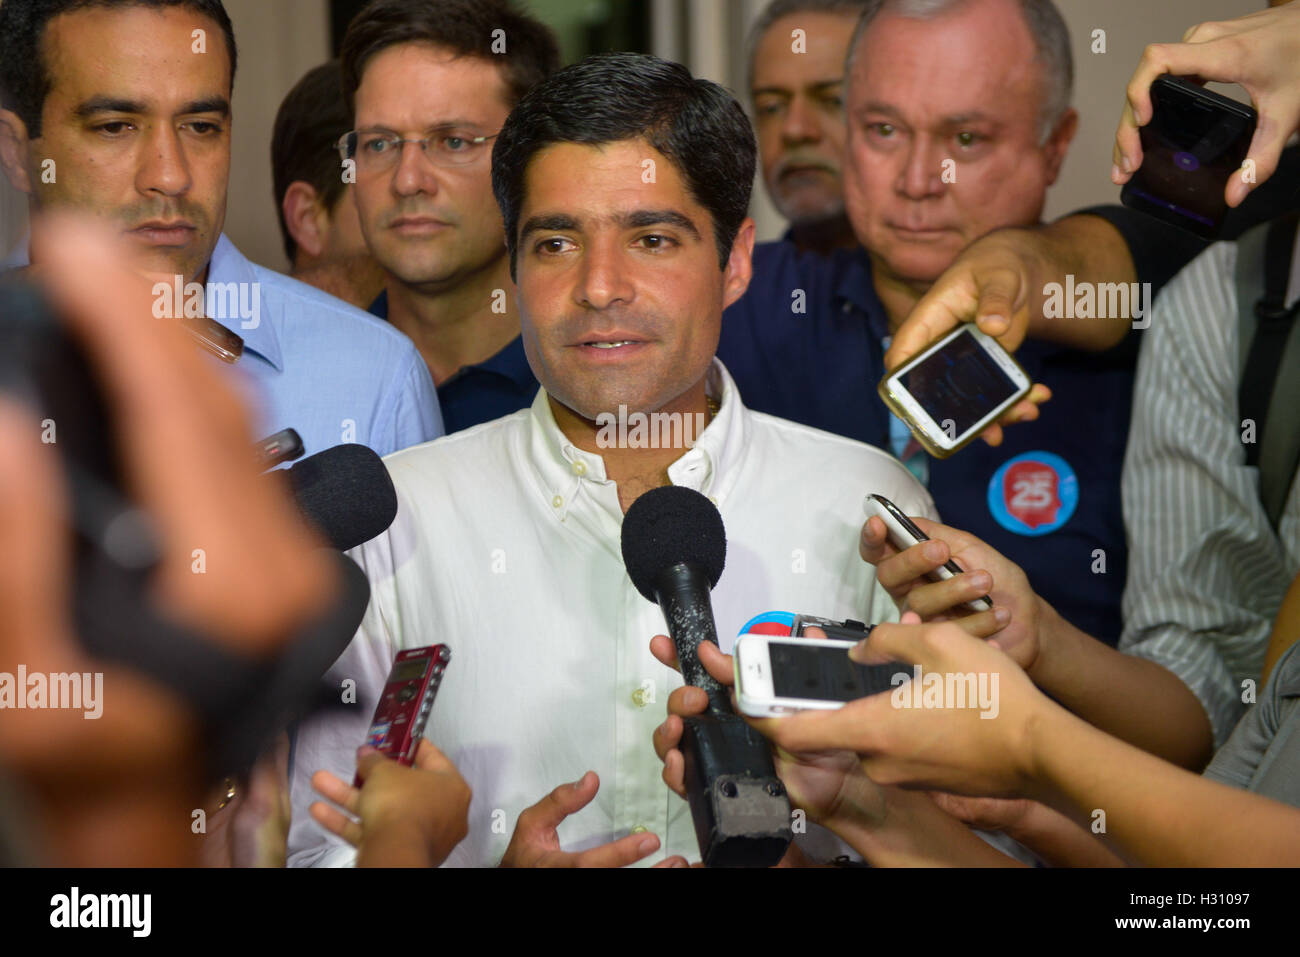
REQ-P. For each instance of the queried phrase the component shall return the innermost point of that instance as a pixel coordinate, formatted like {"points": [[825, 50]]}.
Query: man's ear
{"points": [[740, 265], [14, 150], [306, 218], [1058, 144]]}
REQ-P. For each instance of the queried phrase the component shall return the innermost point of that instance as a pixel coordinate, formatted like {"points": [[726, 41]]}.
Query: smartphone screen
{"points": [[959, 383], [825, 674], [1196, 139]]}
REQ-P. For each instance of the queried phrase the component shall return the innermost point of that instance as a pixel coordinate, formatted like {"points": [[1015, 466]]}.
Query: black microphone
{"points": [[346, 493], [674, 549]]}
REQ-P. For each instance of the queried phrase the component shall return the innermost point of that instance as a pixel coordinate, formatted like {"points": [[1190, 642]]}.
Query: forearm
{"points": [[1159, 815], [1136, 700], [1090, 250], [913, 832], [1060, 841]]}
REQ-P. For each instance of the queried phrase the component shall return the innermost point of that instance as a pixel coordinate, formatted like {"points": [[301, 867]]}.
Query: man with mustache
{"points": [[624, 184], [796, 72], [958, 120], [139, 135], [431, 84]]}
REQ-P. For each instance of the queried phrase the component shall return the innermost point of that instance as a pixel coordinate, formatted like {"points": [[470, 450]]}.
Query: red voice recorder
{"points": [[407, 698]]}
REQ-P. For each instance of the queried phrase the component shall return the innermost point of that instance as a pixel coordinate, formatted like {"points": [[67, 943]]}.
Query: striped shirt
{"points": [[1206, 571]]}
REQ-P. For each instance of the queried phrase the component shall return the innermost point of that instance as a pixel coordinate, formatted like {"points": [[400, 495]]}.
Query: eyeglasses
{"points": [[378, 150]]}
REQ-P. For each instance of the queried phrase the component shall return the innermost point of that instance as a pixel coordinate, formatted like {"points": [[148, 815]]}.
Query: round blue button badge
{"points": [[1034, 493]]}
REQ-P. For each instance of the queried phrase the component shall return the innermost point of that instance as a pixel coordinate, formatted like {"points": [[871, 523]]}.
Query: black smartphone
{"points": [[1195, 141]]}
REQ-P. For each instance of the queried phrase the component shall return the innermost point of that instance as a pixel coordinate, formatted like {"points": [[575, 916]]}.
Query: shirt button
{"points": [[579, 467], [639, 698], [557, 501], [640, 829]]}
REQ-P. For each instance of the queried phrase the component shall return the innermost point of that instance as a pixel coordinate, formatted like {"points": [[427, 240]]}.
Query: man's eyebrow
{"points": [[878, 107], [112, 104], [770, 91], [961, 119], [641, 218], [107, 104], [548, 222], [637, 219], [212, 104]]}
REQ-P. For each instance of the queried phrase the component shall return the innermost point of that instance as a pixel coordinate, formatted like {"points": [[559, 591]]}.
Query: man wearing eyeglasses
{"points": [[138, 136], [430, 85]]}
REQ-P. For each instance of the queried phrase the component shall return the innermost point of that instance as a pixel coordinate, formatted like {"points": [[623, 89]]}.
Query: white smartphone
{"points": [[903, 533], [955, 389], [777, 675]]}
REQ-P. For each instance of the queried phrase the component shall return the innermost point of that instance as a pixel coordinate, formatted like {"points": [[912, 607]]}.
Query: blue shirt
{"points": [[488, 390], [313, 363], [1048, 498]]}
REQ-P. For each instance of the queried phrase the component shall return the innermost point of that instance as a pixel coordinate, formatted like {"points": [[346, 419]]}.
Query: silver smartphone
{"points": [[903, 533], [955, 389]]}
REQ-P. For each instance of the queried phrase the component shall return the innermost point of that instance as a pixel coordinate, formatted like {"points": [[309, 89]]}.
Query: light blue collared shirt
{"points": [[314, 363]]}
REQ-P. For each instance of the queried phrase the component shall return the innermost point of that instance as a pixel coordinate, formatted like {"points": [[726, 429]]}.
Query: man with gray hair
{"points": [[957, 121], [797, 50]]}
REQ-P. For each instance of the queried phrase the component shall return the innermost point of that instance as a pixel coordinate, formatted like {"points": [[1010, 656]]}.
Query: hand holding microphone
{"points": [[674, 547]]}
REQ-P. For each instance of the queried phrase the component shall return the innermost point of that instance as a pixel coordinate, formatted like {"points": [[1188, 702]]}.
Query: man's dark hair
{"points": [[25, 76], [308, 125], [610, 97], [465, 27]]}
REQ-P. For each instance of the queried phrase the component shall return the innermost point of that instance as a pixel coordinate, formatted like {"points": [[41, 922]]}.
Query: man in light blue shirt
{"points": [[140, 137]]}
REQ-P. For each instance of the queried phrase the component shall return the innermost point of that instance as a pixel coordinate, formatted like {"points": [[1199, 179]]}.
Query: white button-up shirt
{"points": [[506, 547]]}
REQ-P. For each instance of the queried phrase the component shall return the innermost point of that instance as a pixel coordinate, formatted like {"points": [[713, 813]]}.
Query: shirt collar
{"points": [[226, 265], [229, 265], [710, 467]]}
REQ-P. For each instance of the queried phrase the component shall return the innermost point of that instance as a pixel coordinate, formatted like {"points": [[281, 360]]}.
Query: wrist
{"points": [[1054, 646], [1039, 733]]}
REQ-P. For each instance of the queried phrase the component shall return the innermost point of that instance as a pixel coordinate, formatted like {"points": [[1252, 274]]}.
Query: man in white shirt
{"points": [[506, 543]]}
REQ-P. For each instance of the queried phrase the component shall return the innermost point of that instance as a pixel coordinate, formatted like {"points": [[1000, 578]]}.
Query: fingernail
{"points": [[858, 651], [680, 864], [1001, 615], [934, 551], [981, 580], [1115, 174], [647, 844], [1126, 164]]}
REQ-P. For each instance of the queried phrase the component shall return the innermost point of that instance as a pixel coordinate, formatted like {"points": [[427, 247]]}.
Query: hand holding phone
{"points": [[1195, 140], [955, 389], [1260, 51], [903, 534]]}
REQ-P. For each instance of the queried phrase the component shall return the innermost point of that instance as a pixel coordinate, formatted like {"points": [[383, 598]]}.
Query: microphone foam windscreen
{"points": [[346, 492], [669, 526]]}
